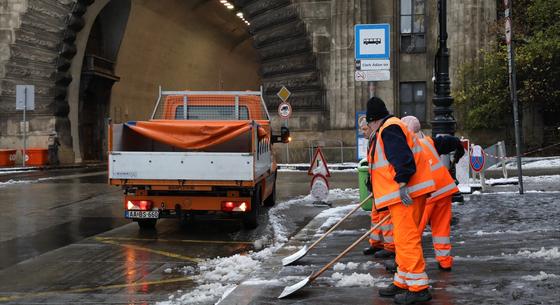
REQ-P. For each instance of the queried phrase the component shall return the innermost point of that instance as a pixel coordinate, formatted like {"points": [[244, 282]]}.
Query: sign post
{"points": [[25, 100], [285, 112], [513, 89]]}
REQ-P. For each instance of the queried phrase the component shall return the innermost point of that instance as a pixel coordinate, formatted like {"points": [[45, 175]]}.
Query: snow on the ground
{"points": [[218, 277], [483, 233], [545, 163], [540, 277], [16, 172], [357, 280], [255, 282], [10, 182], [342, 267], [552, 253]]}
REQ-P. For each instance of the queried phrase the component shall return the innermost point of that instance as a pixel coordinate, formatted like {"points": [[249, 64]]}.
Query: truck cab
{"points": [[200, 153]]}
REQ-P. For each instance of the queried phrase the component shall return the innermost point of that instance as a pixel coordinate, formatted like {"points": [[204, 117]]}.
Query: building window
{"points": [[413, 100], [413, 23]]}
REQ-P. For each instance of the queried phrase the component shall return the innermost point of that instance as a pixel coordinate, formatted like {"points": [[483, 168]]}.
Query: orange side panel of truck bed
{"points": [[195, 134]]}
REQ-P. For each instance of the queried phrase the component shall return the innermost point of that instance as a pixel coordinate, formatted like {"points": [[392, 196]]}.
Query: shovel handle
{"points": [[352, 246], [338, 223]]}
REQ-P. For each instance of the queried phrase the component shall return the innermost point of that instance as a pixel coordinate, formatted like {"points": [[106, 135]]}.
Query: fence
{"points": [[301, 151]]}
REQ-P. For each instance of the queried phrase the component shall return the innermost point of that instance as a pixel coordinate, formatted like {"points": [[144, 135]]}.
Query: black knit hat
{"points": [[376, 109]]}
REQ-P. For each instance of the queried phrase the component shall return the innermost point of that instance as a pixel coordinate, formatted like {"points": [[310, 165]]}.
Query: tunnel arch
{"points": [[276, 33]]}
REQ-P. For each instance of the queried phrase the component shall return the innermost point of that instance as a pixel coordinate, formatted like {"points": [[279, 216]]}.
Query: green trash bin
{"points": [[362, 176]]}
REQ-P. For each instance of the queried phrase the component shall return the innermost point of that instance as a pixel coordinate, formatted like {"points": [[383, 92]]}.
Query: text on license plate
{"points": [[141, 214]]}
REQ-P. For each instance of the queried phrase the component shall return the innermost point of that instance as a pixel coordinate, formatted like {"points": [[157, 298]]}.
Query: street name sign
{"points": [[373, 64]]}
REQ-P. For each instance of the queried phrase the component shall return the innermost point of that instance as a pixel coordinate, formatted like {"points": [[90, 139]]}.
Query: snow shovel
{"points": [[291, 289], [303, 251]]}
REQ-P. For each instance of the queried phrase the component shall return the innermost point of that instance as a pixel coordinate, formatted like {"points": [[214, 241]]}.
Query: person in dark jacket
{"points": [[402, 179]]}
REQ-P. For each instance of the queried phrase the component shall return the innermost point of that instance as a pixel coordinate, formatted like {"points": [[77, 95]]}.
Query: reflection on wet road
{"points": [[64, 240]]}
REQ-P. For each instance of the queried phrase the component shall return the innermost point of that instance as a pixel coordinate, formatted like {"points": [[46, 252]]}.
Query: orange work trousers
{"points": [[438, 215], [382, 237], [408, 245]]}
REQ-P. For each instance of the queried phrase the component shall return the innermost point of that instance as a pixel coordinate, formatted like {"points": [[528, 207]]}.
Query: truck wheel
{"points": [[250, 220], [147, 224], [271, 200]]}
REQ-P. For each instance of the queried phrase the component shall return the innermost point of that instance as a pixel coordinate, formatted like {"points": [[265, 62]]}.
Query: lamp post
{"points": [[443, 122]]}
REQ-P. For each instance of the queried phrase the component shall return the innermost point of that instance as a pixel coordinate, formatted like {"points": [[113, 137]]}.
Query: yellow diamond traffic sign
{"points": [[284, 94]]}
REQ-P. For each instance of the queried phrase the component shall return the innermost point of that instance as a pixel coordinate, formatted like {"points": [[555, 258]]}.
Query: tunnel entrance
{"points": [[133, 47], [98, 77]]}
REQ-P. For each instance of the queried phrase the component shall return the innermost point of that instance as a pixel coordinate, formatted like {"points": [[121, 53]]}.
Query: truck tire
{"points": [[251, 219], [271, 200], [147, 224]]}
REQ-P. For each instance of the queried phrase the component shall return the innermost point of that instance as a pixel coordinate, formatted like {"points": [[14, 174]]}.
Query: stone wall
{"points": [[29, 47]]}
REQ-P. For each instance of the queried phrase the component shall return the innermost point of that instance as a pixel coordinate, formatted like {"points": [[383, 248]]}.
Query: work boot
{"points": [[371, 250], [390, 265], [384, 254], [440, 267], [411, 297], [391, 291]]}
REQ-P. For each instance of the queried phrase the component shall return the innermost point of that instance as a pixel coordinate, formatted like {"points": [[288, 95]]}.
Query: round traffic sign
{"points": [[477, 158], [284, 110]]}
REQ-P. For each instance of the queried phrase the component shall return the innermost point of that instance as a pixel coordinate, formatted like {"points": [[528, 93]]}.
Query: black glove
{"points": [[459, 153], [368, 184]]}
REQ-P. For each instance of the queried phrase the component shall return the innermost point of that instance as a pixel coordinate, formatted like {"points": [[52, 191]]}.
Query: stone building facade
{"points": [[90, 60]]}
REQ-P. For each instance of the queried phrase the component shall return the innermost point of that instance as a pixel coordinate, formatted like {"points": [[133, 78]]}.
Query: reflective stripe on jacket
{"points": [[385, 188], [445, 185]]}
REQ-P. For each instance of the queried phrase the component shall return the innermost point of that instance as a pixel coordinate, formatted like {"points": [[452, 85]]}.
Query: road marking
{"points": [[177, 240], [164, 253], [79, 290]]}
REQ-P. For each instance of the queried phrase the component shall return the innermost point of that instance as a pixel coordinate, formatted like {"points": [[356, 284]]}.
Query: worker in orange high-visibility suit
{"points": [[401, 180], [381, 243], [438, 205]]}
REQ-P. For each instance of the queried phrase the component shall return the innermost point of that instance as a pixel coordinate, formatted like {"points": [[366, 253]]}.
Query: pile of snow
{"points": [[358, 280], [217, 278], [342, 267], [552, 253], [10, 182], [540, 277]]}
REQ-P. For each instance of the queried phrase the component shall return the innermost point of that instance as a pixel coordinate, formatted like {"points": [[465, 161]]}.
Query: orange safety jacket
{"points": [[445, 184], [385, 188]]}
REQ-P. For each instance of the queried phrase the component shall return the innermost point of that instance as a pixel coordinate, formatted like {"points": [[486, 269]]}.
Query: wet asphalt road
{"points": [[64, 241]]}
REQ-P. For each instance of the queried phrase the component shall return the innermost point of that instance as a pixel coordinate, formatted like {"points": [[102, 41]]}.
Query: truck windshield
{"points": [[213, 113]]}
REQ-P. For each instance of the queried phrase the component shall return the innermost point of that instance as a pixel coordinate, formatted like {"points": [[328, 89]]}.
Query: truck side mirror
{"points": [[284, 136]]}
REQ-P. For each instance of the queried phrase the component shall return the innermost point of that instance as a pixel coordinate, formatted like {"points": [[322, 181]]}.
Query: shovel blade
{"points": [[294, 257], [291, 289]]}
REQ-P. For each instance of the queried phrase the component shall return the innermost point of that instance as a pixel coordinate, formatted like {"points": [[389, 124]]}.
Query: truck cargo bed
{"points": [[181, 166]]}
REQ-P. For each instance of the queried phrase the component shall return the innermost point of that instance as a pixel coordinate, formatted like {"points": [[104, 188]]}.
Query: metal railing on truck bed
{"points": [[210, 105]]}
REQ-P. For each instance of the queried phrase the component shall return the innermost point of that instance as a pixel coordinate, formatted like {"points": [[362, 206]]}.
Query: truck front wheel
{"points": [[251, 219], [147, 224]]}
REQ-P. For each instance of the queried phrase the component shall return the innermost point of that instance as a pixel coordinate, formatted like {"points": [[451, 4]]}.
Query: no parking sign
{"points": [[477, 158]]}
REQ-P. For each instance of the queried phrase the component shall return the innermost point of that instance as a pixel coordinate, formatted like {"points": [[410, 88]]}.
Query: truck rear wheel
{"points": [[271, 200], [251, 219], [147, 224]]}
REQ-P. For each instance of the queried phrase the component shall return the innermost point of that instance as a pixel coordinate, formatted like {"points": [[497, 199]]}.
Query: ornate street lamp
{"points": [[443, 123]]}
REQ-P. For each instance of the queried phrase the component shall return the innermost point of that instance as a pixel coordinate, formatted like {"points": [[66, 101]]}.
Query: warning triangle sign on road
{"points": [[319, 164]]}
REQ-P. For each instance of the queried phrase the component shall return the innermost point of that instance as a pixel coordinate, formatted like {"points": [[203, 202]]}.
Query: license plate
{"points": [[141, 214]]}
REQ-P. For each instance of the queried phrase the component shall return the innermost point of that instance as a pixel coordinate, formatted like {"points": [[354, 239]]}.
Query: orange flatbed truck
{"points": [[200, 153]]}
